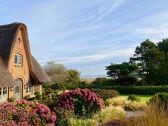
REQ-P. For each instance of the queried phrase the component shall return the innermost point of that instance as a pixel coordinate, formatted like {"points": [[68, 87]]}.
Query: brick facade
{"points": [[20, 72]]}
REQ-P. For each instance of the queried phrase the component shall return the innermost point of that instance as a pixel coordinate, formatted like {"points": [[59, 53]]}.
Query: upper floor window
{"points": [[18, 59]]}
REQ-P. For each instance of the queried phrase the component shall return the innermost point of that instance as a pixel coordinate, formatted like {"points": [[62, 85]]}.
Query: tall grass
{"points": [[154, 117], [127, 104], [106, 114]]}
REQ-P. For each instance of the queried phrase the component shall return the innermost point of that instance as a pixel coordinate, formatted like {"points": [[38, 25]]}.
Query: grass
{"points": [[106, 114], [127, 104], [143, 98], [154, 116]]}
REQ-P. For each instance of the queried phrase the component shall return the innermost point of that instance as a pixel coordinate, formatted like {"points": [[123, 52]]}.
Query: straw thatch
{"points": [[7, 39], [38, 73], [6, 79]]}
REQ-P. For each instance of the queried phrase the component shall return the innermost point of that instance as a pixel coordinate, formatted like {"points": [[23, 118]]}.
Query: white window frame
{"points": [[3, 94], [18, 60], [28, 87]]}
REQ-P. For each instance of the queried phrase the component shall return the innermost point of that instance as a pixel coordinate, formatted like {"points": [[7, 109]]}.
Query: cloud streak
{"points": [[96, 57], [80, 32]]}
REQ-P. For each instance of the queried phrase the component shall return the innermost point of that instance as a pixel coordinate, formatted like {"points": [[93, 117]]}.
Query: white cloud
{"points": [[96, 57], [103, 9], [104, 12], [158, 32]]}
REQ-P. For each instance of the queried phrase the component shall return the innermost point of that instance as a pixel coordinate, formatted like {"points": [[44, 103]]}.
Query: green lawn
{"points": [[144, 98]]}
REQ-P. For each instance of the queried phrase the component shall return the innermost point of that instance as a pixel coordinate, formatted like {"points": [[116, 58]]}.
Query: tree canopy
{"points": [[124, 73], [151, 59], [59, 74]]}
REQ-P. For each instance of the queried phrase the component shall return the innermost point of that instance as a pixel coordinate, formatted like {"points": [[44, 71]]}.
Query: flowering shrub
{"points": [[83, 102], [24, 113]]}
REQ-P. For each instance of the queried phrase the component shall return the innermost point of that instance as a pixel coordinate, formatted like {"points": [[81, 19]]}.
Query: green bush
{"points": [[105, 94], [160, 99], [37, 95], [133, 98], [140, 90], [127, 80], [58, 86], [12, 99], [103, 81]]}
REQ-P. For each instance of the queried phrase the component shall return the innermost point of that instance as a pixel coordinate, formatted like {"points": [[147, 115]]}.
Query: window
{"points": [[19, 40], [3, 94], [28, 87], [17, 89], [18, 59], [36, 88]]}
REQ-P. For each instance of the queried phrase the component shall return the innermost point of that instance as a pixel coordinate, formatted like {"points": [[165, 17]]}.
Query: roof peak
{"points": [[11, 24]]}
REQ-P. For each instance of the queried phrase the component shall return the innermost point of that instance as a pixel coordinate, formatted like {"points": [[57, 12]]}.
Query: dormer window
{"points": [[18, 60]]}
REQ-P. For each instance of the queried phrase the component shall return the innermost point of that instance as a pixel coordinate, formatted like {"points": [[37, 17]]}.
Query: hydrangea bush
{"points": [[83, 102], [24, 113]]}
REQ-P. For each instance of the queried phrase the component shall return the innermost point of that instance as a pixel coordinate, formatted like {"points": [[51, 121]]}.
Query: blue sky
{"points": [[87, 35]]}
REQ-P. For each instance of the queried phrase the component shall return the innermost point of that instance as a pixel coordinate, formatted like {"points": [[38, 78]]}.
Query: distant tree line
{"points": [[149, 65]]}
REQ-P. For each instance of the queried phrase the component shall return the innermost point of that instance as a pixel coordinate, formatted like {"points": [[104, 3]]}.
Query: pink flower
{"points": [[41, 110], [52, 119], [38, 120]]}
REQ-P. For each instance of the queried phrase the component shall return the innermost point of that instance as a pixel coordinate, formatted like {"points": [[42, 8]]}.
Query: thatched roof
{"points": [[5, 76], [7, 38], [38, 73]]}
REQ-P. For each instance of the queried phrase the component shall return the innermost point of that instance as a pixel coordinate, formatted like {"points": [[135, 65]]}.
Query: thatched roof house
{"points": [[20, 73]]}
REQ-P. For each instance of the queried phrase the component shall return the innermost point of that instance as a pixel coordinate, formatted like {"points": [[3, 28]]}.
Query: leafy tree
{"points": [[162, 73], [74, 76], [57, 72], [149, 58], [60, 75], [163, 46], [125, 73]]}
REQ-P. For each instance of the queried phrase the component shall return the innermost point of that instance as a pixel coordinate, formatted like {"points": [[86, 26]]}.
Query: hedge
{"points": [[140, 90]]}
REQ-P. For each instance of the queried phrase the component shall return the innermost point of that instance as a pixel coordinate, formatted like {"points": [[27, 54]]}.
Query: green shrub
{"points": [[103, 81], [127, 80], [37, 95], [12, 99], [133, 98], [105, 94], [28, 98], [160, 99], [140, 90], [58, 86], [63, 117]]}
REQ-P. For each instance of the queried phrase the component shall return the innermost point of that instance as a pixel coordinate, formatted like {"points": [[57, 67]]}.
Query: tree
{"points": [[163, 46], [60, 75], [57, 72], [149, 58], [74, 76], [162, 73], [125, 73]]}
